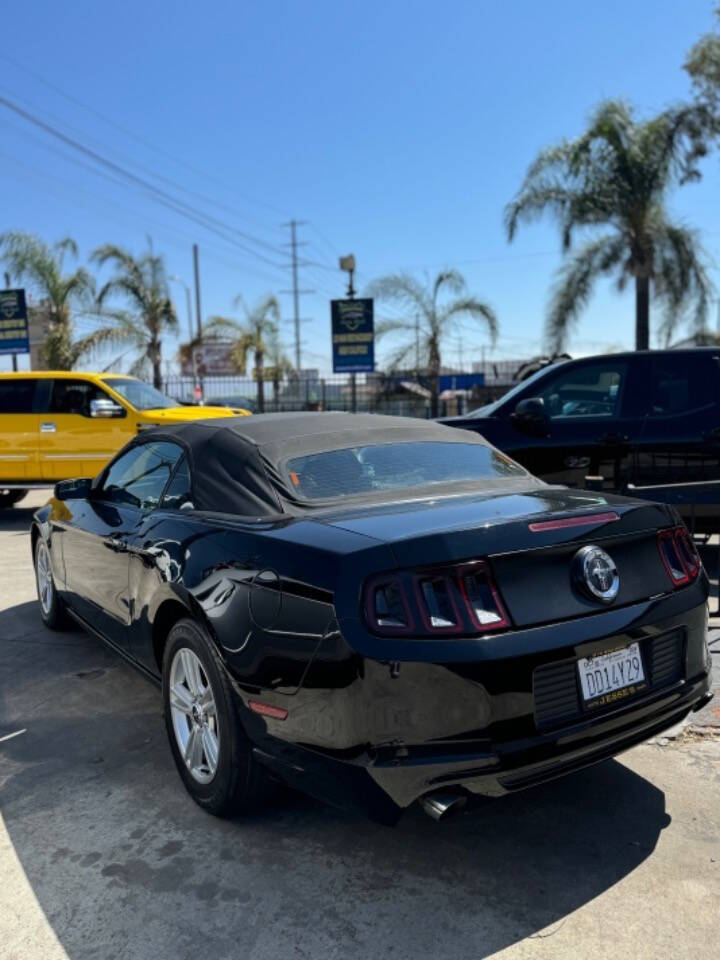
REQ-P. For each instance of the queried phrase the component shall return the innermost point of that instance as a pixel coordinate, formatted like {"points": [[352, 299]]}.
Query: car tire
{"points": [[52, 609], [8, 498], [203, 725]]}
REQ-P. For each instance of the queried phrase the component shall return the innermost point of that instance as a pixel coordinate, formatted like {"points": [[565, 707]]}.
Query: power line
{"points": [[250, 238], [166, 199], [173, 234], [129, 133]]}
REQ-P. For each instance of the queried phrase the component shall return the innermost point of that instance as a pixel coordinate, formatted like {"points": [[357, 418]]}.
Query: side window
{"points": [[139, 477], [178, 495], [586, 390], [17, 396], [682, 384], [74, 396]]}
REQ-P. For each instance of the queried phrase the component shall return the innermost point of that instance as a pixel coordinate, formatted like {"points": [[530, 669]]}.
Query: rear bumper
{"points": [[382, 740], [381, 785]]}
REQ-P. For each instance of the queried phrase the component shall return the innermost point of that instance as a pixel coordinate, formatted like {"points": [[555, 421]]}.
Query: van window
{"points": [[586, 390], [17, 396], [682, 384], [74, 396]]}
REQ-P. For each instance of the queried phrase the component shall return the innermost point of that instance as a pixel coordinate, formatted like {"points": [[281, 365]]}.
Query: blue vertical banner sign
{"points": [[353, 335], [14, 336]]}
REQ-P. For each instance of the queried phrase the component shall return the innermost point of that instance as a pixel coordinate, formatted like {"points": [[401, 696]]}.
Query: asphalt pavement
{"points": [[103, 855]]}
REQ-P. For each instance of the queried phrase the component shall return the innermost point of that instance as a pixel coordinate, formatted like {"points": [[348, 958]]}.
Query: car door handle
{"points": [[47, 426], [116, 544]]}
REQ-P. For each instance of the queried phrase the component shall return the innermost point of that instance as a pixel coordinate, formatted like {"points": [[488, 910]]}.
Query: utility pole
{"points": [[191, 336], [197, 291], [296, 295], [296, 291]]}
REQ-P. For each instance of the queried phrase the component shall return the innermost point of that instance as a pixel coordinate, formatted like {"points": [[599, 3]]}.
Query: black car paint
{"points": [[633, 447], [373, 723]]}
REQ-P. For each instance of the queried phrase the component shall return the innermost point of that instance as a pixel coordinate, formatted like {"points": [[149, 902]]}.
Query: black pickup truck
{"points": [[645, 418]]}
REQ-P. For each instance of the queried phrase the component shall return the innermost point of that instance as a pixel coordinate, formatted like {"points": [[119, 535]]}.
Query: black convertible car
{"points": [[375, 610]]}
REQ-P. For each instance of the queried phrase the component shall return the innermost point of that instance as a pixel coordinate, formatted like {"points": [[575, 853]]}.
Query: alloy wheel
{"points": [[194, 715], [44, 577]]}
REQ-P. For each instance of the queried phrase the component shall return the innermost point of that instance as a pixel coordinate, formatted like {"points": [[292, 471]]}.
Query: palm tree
{"points": [[255, 335], [436, 318], [32, 261], [617, 177], [703, 67], [142, 283], [279, 363]]}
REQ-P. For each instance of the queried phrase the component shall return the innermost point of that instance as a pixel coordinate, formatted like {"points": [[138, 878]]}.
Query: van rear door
{"points": [[19, 430]]}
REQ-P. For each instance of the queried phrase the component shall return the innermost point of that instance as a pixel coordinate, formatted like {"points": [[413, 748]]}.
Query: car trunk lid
{"points": [[530, 540]]}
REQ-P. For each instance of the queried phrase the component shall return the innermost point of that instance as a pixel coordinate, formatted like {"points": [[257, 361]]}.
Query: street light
{"points": [[182, 283], [348, 265]]}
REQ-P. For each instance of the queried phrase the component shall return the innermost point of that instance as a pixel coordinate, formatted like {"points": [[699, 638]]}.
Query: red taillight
{"points": [[386, 606], [482, 599], [441, 601], [679, 555], [688, 552]]}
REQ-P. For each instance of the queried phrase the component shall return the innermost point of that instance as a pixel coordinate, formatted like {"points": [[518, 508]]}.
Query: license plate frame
{"points": [[611, 676]]}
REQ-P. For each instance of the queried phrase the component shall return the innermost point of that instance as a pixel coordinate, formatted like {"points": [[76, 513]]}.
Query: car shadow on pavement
{"points": [[17, 518], [123, 864]]}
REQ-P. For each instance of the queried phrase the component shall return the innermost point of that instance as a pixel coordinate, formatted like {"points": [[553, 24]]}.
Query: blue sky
{"points": [[398, 130]]}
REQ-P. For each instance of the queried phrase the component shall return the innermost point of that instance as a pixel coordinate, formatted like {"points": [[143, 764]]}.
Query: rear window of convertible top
{"points": [[354, 471]]}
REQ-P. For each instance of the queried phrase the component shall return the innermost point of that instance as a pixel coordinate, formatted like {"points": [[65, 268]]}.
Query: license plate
{"points": [[611, 676]]}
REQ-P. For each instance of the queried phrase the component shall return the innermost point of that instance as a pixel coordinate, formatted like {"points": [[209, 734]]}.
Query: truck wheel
{"points": [[10, 497], [211, 751]]}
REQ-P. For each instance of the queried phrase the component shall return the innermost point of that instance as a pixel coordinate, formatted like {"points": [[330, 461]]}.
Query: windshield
{"points": [[489, 409], [139, 394], [359, 470]]}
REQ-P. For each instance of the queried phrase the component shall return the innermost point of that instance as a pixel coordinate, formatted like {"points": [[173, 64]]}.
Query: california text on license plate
{"points": [[612, 676]]}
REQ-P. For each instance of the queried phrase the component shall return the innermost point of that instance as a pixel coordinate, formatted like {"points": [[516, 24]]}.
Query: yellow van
{"points": [[58, 425]]}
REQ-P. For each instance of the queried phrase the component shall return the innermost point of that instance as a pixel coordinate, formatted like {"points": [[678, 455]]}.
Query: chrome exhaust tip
{"points": [[439, 806]]}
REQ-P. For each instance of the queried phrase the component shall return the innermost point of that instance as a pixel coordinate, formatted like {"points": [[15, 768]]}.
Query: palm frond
{"points": [[680, 278], [472, 307], [221, 327], [450, 280], [574, 286], [404, 289]]}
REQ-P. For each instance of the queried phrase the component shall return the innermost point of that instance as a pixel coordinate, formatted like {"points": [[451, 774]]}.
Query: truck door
{"points": [[680, 437], [592, 423], [19, 426], [73, 443]]}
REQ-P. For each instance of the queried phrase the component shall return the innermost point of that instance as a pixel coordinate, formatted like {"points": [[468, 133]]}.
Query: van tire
{"points": [[8, 498]]}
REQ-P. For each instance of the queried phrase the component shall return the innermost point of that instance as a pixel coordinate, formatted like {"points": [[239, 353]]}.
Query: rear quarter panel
{"points": [[264, 590]]}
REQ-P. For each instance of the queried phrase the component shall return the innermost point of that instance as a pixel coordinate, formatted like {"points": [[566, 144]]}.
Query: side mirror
{"points": [[106, 408], [73, 489], [531, 417]]}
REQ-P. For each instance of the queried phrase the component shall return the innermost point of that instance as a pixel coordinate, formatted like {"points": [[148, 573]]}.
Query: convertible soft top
{"points": [[237, 462]]}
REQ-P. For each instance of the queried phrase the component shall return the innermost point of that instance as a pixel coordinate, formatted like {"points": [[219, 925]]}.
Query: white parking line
{"points": [[9, 736]]}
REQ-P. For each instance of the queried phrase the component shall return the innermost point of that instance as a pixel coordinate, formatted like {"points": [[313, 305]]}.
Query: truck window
{"points": [[682, 384], [586, 390], [17, 396], [74, 396]]}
